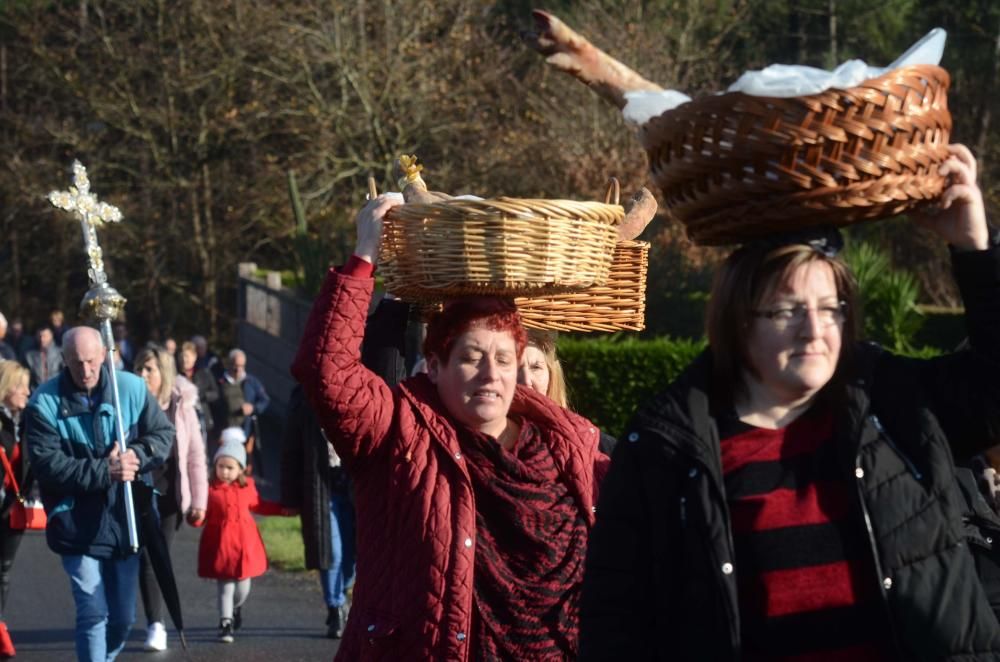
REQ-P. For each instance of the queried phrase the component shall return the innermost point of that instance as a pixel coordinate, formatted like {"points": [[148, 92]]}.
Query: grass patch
{"points": [[283, 540]]}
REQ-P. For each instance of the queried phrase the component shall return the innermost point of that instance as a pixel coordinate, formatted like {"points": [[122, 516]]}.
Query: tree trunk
{"points": [[212, 276], [3, 78], [67, 241], [83, 17], [834, 59], [796, 33], [154, 309], [15, 265], [201, 250]]}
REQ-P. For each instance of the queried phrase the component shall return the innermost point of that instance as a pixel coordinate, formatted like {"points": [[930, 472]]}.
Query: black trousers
{"points": [[10, 540]]}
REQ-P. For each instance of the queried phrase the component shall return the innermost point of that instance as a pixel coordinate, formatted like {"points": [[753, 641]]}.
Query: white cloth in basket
{"points": [[783, 80]]}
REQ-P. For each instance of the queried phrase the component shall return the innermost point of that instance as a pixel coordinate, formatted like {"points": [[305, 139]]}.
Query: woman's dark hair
{"points": [[745, 279]]}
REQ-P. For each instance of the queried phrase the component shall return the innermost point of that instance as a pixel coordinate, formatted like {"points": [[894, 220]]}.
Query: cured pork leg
{"points": [[570, 52]]}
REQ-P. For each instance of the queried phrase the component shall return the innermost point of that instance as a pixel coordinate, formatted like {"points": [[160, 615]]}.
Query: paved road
{"points": [[283, 618]]}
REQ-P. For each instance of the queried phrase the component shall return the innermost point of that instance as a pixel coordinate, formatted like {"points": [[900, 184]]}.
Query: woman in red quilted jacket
{"points": [[474, 495]]}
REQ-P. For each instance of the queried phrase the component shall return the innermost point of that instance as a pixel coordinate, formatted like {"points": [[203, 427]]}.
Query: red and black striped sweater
{"points": [[807, 587]]}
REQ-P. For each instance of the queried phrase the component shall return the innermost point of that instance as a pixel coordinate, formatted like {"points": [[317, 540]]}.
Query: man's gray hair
{"points": [[70, 337], [233, 353]]}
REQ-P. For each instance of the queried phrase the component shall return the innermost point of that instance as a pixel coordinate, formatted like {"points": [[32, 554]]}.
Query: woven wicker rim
{"points": [[501, 247], [732, 167], [618, 305]]}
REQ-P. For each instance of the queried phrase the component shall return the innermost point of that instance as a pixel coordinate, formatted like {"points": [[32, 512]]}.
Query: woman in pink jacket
{"points": [[474, 495], [181, 484]]}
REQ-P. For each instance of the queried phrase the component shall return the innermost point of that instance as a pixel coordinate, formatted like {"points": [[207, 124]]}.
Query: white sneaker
{"points": [[156, 637]]}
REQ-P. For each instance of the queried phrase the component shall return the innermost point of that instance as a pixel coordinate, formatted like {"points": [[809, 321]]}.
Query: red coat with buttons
{"points": [[415, 505], [231, 547]]}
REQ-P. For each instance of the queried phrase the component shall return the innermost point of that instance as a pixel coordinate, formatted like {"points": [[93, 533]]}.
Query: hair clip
{"points": [[827, 241]]}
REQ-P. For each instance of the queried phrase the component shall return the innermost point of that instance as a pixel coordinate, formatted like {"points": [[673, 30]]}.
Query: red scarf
{"points": [[531, 537]]}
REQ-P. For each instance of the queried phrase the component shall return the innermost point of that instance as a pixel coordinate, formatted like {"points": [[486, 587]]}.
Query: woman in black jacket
{"points": [[14, 391], [313, 481], [792, 495]]}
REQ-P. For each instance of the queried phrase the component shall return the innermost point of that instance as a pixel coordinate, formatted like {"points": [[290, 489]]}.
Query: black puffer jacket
{"points": [[305, 483], [660, 581], [306, 477]]}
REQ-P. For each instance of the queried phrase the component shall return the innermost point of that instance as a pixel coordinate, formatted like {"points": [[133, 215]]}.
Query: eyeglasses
{"points": [[793, 316]]}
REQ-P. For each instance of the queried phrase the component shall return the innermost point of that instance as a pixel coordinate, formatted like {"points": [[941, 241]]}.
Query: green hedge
{"points": [[609, 378]]}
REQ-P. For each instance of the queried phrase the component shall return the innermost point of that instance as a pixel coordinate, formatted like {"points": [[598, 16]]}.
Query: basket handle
{"points": [[372, 189], [613, 195]]}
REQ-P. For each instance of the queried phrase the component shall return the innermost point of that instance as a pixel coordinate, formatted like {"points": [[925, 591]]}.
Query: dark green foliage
{"points": [[888, 298], [678, 282], [608, 379]]}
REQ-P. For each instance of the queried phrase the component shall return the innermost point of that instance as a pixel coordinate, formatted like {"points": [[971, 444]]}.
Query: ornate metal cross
{"points": [[102, 302]]}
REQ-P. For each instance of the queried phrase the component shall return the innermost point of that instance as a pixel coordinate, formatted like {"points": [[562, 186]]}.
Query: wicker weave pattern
{"points": [[733, 167], [618, 305], [505, 247]]}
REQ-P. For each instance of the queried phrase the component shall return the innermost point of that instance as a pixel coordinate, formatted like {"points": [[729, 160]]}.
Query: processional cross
{"points": [[102, 303]]}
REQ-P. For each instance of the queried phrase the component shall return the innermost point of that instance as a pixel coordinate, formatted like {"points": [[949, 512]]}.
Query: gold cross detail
{"points": [[78, 199]]}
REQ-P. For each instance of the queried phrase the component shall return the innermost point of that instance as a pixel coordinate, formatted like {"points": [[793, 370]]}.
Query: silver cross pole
{"points": [[102, 303]]}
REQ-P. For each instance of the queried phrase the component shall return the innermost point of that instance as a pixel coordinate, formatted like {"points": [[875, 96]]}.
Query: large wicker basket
{"points": [[503, 247], [734, 167], [618, 305]]}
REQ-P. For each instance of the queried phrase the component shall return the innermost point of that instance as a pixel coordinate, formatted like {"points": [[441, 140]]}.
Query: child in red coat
{"points": [[231, 549]]}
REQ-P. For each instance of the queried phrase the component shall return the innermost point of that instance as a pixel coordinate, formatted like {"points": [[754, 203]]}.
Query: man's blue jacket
{"points": [[69, 437]]}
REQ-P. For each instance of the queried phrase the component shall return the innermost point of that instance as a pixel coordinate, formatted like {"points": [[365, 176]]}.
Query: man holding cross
{"points": [[77, 458]]}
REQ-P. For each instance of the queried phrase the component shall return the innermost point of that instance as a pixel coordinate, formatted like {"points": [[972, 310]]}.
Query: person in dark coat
{"points": [[208, 387], [314, 482], [207, 359], [45, 361], [19, 340], [793, 494], [57, 322]]}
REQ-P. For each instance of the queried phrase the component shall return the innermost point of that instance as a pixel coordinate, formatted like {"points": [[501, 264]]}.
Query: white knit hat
{"points": [[233, 435], [231, 445]]}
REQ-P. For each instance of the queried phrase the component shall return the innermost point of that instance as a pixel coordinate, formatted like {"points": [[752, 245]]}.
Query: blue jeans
{"points": [[340, 576], [104, 592]]}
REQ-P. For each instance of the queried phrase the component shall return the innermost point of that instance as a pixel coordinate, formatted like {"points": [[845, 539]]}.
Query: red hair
{"points": [[459, 315]]}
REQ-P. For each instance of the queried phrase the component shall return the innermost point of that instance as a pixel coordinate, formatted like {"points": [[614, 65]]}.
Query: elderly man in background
{"points": [[242, 394], [73, 447]]}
